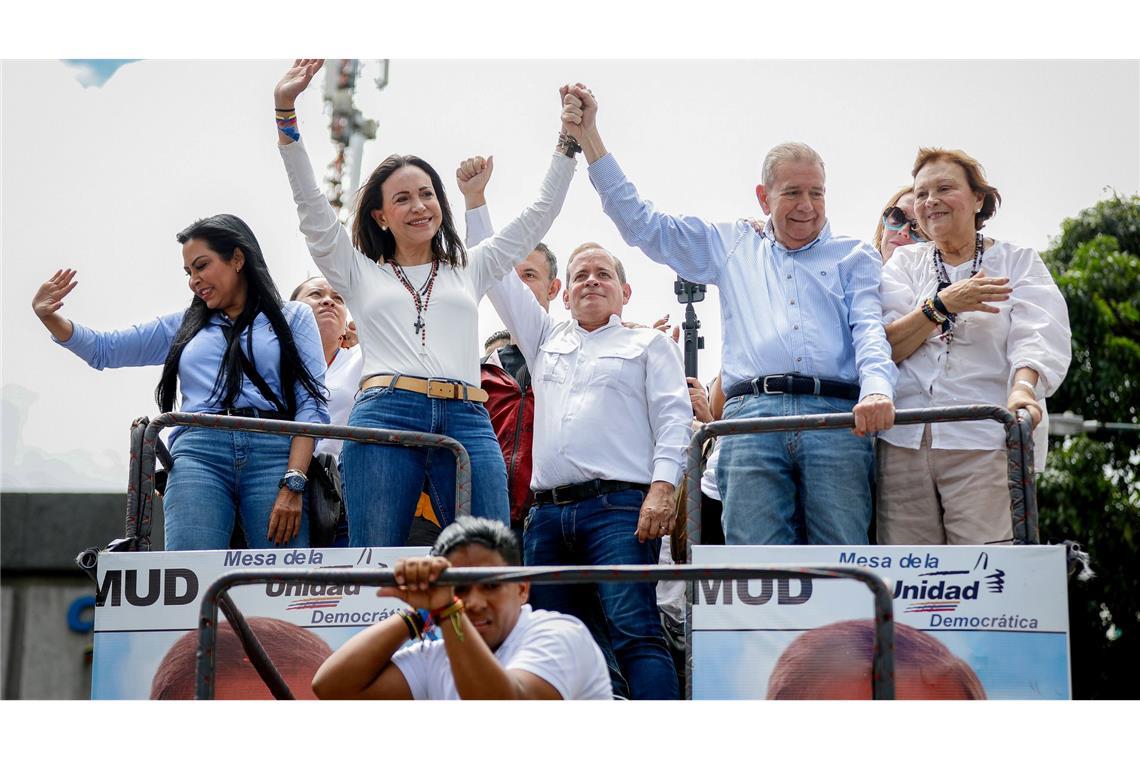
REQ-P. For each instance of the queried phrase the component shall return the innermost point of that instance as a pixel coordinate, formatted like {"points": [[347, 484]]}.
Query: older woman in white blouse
{"points": [[971, 320]]}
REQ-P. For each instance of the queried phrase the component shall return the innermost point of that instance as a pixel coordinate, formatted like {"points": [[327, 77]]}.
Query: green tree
{"points": [[1089, 491]]}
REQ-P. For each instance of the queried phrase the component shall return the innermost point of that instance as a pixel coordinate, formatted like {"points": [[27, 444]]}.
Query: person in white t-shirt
{"points": [[518, 652]]}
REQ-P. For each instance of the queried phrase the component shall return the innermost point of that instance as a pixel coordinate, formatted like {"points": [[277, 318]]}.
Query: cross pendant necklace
{"points": [[420, 303]]}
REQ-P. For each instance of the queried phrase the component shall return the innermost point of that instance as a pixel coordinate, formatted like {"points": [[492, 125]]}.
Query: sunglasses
{"points": [[895, 219]]}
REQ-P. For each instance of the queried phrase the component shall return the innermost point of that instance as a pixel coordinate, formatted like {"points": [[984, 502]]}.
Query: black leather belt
{"points": [[797, 385], [249, 411], [581, 491]]}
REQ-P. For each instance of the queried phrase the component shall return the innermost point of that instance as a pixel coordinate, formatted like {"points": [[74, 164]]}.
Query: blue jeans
{"points": [[804, 486], [600, 531], [220, 476], [382, 482]]}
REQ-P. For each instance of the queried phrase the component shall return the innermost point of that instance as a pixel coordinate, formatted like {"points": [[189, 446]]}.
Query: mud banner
{"points": [[972, 622], [146, 619]]}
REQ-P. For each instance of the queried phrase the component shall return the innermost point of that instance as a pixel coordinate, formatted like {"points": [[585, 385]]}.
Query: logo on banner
{"points": [[313, 596], [944, 590], [173, 585], [717, 591]]}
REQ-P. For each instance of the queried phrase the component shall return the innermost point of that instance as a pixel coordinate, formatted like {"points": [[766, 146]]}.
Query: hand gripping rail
{"points": [[217, 595], [140, 488], [1018, 441]]}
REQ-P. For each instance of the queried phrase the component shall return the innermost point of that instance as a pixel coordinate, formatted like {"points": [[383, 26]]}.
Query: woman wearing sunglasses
{"points": [[971, 320], [897, 226]]}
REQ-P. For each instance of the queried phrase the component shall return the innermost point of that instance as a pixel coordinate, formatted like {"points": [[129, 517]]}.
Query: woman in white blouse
{"points": [[971, 320], [413, 291]]}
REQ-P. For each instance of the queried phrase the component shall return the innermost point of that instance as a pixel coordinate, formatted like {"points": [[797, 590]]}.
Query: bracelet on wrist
{"points": [[287, 124], [415, 624], [454, 611], [940, 307], [1032, 388], [567, 145], [931, 313]]}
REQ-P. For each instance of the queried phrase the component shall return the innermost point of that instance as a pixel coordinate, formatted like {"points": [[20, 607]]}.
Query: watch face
{"points": [[294, 483]]}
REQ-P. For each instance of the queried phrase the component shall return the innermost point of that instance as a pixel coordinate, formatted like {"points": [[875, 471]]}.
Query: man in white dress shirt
{"points": [[612, 418]]}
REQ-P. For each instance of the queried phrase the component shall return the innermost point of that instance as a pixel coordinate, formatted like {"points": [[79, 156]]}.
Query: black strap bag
{"points": [[324, 493]]}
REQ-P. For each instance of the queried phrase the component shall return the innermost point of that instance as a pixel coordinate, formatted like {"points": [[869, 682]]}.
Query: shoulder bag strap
{"points": [[253, 375]]}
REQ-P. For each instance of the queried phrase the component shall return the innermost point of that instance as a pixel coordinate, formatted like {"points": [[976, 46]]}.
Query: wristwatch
{"points": [[294, 480]]}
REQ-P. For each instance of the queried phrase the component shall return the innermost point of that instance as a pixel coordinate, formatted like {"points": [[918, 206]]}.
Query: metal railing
{"points": [[140, 487], [217, 596], [1018, 441]]}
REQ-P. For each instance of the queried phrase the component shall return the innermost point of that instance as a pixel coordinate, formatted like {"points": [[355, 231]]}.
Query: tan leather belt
{"points": [[430, 387]]}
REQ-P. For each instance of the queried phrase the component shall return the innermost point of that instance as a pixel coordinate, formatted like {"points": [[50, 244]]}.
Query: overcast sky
{"points": [[100, 178]]}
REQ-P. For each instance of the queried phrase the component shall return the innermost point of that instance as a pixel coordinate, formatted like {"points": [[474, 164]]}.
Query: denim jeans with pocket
{"points": [[802, 486], [220, 476], [601, 531], [383, 483]]}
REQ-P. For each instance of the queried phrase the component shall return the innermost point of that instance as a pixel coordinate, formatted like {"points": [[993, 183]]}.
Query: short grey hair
{"points": [[789, 151], [591, 246], [497, 335], [551, 261]]}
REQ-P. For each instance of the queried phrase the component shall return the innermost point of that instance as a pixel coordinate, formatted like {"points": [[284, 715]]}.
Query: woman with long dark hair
{"points": [[414, 291], [237, 350]]}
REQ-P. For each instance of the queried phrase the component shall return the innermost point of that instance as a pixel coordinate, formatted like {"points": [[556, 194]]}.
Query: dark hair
{"points": [[596, 247], [297, 290], [479, 530], [815, 658], [379, 245], [224, 234], [975, 176], [497, 335], [294, 650], [551, 261]]}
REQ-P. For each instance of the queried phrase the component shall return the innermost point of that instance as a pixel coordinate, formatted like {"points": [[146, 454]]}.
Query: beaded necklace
{"points": [[944, 282], [421, 297]]}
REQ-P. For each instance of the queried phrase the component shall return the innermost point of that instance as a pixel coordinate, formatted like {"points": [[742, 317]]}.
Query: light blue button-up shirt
{"points": [[813, 310], [148, 344]]}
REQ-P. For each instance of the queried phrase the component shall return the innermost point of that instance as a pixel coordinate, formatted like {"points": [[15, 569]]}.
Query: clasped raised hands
{"points": [[976, 293], [295, 81], [579, 110]]}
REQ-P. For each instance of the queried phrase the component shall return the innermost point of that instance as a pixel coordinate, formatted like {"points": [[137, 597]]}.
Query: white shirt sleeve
{"points": [[479, 226], [328, 241], [556, 651], [525, 319], [897, 290], [414, 663], [493, 258], [1039, 333], [670, 411]]}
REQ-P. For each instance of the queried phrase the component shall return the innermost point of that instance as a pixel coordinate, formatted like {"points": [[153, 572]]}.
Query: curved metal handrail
{"points": [[1018, 438], [140, 497], [882, 661]]}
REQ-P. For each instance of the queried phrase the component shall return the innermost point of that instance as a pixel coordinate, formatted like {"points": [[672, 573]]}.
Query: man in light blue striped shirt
{"points": [[803, 334]]}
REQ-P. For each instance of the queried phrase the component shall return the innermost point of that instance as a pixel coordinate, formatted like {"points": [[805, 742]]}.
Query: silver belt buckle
{"points": [[765, 385]]}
